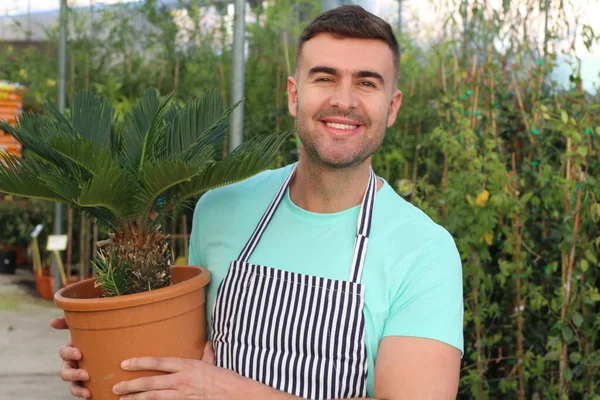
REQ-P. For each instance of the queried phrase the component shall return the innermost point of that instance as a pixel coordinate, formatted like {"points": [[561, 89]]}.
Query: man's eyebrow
{"points": [[320, 69], [371, 74]]}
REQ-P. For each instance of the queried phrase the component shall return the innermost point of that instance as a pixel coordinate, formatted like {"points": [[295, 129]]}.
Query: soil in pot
{"points": [[167, 322]]}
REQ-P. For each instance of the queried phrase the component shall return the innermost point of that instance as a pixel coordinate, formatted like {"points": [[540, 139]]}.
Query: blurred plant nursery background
{"points": [[498, 140]]}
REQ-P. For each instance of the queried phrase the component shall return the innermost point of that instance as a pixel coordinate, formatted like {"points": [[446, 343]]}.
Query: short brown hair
{"points": [[351, 21]]}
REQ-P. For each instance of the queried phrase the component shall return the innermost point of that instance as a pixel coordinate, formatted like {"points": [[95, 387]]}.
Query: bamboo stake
{"points": [[475, 102], [186, 237], [223, 81], [161, 76], [86, 84], [520, 348], [176, 78], [522, 108], [456, 77], [69, 239], [95, 239], [492, 97], [479, 361], [421, 90], [82, 269], [278, 92], [415, 168], [72, 72], [446, 157], [174, 233], [473, 68], [564, 360], [286, 51]]}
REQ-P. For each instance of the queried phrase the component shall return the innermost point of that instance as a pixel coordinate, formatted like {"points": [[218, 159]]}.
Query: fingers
{"points": [[164, 364], [208, 354], [154, 395], [78, 391], [69, 353], [59, 323], [71, 373], [146, 384]]}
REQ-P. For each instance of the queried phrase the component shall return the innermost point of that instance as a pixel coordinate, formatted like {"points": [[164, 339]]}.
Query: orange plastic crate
{"points": [[11, 147]]}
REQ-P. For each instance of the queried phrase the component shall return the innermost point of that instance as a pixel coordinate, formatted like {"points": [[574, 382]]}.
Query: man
{"points": [[325, 283]]}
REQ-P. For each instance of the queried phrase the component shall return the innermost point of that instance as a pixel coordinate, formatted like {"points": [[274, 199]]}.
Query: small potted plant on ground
{"points": [[128, 175]]}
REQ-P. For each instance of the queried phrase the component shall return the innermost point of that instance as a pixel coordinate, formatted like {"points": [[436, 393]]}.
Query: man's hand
{"points": [[186, 378], [70, 372]]}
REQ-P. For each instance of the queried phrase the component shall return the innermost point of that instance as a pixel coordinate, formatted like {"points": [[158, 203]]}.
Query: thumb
{"points": [[209, 353], [59, 323]]}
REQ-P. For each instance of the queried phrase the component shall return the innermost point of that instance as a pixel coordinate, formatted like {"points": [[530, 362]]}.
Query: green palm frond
{"points": [[144, 128], [91, 117], [157, 177], [22, 178], [68, 189], [60, 119], [112, 190], [86, 153], [246, 160], [126, 174], [33, 131], [196, 124], [111, 275]]}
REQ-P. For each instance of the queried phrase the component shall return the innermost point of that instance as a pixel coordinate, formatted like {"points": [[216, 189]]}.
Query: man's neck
{"points": [[324, 190]]}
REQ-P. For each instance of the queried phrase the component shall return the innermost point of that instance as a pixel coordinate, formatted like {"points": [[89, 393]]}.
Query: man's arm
{"points": [[406, 368]]}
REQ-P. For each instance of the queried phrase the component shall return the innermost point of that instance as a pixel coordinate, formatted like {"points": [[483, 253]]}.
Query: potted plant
{"points": [[128, 175]]}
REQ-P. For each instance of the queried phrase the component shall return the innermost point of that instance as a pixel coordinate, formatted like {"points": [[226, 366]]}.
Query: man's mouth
{"points": [[342, 129], [340, 126]]}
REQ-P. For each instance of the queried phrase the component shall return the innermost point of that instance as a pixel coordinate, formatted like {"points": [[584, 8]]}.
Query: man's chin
{"points": [[340, 162]]}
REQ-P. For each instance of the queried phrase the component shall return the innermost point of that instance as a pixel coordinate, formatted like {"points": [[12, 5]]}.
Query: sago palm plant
{"points": [[129, 174]]}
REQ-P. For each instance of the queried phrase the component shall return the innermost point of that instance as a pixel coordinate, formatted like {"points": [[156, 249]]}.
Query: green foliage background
{"points": [[485, 143]]}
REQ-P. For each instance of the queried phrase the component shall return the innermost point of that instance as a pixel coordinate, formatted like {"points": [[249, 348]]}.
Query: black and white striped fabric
{"points": [[300, 334]]}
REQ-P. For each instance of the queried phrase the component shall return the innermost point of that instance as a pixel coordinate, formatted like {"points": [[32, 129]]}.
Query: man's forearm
{"points": [[249, 389]]}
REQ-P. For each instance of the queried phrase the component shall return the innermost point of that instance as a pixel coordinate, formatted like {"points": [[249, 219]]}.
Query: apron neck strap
{"points": [[363, 228]]}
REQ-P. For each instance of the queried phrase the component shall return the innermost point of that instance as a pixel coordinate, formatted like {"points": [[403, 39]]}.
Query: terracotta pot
{"points": [[44, 286], [168, 322]]}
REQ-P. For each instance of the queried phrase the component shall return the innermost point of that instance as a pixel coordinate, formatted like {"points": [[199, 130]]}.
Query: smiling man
{"points": [[325, 283]]}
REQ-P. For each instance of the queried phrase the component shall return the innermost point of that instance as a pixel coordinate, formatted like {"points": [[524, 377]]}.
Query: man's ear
{"points": [[292, 89], [394, 107]]}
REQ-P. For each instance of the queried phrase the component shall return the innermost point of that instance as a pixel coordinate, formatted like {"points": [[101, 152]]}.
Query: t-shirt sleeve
{"points": [[429, 300]]}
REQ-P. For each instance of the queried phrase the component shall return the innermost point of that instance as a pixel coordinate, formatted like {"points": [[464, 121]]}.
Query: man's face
{"points": [[343, 98]]}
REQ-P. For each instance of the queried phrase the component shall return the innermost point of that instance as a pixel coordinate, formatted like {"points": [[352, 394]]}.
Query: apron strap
{"points": [[266, 218], [363, 230]]}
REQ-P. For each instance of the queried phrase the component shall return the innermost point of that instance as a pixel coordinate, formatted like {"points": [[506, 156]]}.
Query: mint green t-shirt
{"points": [[412, 274]]}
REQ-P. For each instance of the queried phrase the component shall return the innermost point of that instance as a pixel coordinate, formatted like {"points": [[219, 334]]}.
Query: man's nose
{"points": [[344, 97]]}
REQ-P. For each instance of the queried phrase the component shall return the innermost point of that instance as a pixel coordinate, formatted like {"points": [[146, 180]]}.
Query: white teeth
{"points": [[340, 126]]}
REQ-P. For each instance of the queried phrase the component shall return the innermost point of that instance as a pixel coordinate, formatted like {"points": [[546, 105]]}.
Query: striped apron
{"points": [[300, 334]]}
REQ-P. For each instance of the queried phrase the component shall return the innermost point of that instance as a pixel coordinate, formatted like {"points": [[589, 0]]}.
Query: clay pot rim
{"points": [[131, 300]]}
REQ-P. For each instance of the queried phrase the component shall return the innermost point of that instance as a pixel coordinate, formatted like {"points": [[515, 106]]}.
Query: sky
{"points": [[416, 14]]}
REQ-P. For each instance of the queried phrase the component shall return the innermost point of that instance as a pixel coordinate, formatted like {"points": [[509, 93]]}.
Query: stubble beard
{"points": [[312, 149]]}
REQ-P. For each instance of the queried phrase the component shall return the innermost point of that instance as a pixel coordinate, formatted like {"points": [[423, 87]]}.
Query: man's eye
{"points": [[368, 84], [324, 79]]}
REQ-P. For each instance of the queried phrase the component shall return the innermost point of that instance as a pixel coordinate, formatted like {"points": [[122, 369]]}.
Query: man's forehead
{"points": [[347, 55]]}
